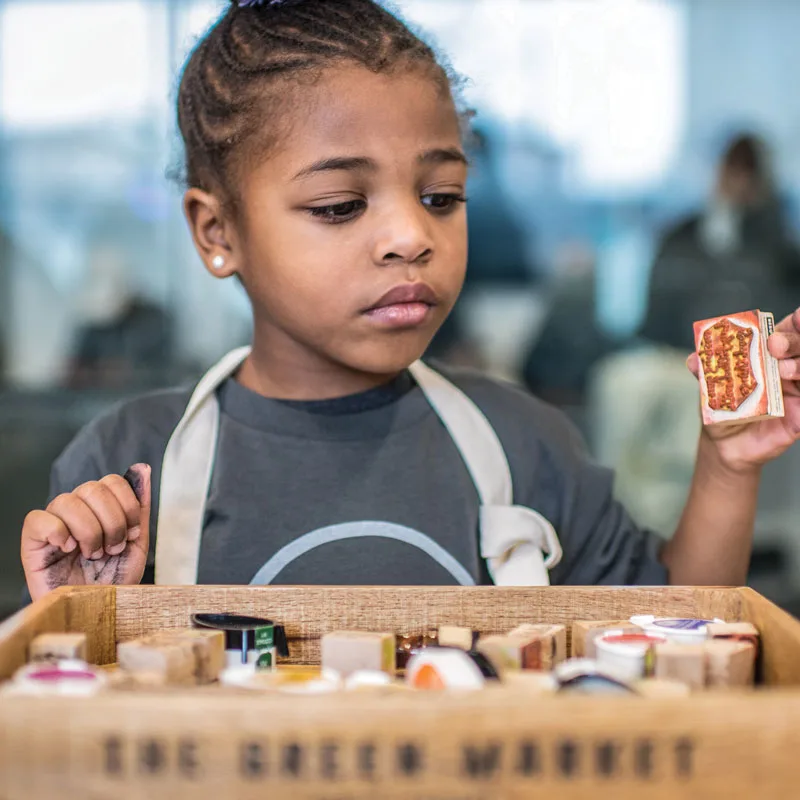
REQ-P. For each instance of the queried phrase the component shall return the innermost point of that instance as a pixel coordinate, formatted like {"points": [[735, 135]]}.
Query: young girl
{"points": [[325, 170]]}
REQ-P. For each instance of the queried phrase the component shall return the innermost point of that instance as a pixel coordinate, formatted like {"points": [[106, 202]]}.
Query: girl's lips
{"points": [[406, 306], [401, 315], [407, 293]]}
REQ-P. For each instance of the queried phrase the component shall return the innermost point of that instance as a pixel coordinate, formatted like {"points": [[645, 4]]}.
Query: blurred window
{"points": [[66, 64], [604, 80]]}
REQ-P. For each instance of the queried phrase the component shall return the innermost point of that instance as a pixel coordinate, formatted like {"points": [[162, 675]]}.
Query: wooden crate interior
{"points": [[309, 612], [118, 614]]}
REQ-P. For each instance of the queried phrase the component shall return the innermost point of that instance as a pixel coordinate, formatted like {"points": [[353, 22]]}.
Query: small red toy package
{"points": [[739, 378]]}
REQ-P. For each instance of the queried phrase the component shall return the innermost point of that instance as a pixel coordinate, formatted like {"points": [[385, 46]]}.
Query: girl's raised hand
{"points": [[750, 445], [97, 535]]}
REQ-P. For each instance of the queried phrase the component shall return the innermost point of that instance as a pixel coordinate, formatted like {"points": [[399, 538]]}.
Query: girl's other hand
{"points": [[749, 446], [97, 535]]}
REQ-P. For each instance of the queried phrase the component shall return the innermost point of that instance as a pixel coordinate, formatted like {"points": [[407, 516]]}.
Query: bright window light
{"points": [[70, 63], [194, 21], [603, 79]]}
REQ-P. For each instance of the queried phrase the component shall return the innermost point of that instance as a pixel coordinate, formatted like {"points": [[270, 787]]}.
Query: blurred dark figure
{"points": [[498, 247], [735, 255], [124, 341], [558, 365]]}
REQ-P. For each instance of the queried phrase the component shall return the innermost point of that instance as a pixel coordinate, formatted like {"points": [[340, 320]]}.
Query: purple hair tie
{"points": [[254, 3]]}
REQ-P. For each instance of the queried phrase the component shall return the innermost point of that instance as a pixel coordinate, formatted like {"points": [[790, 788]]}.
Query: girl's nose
{"points": [[404, 238]]}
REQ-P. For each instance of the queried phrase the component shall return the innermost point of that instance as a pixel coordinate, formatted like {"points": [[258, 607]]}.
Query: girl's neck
{"points": [[281, 375]]}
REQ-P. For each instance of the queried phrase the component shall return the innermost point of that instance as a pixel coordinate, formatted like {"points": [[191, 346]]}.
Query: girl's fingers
{"points": [[108, 510], [82, 523], [785, 345], [125, 496], [44, 528], [789, 369]]}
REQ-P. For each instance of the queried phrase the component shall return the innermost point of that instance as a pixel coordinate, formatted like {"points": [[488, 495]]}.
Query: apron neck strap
{"points": [[186, 476]]}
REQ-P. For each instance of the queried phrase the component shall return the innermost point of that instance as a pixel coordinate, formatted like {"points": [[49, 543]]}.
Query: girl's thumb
{"points": [[138, 477]]}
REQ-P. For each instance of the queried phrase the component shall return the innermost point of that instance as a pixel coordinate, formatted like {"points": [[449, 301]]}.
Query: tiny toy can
{"points": [[630, 655]]}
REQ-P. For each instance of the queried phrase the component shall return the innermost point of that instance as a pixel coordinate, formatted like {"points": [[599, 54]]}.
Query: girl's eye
{"points": [[443, 202], [339, 212]]}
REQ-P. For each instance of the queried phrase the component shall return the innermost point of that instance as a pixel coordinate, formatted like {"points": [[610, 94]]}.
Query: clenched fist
{"points": [[97, 535]]}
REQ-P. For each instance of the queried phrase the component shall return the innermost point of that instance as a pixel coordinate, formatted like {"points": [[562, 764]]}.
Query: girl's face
{"points": [[351, 236]]}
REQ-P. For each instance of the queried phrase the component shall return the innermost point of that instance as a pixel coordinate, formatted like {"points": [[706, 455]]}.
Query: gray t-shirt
{"points": [[370, 489]]}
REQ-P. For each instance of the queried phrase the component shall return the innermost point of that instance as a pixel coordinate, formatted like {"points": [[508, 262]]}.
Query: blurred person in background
{"points": [[498, 246], [559, 362], [498, 249], [123, 338], [735, 254]]}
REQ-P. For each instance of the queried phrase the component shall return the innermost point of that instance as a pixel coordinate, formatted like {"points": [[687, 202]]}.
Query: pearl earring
{"points": [[218, 262]]}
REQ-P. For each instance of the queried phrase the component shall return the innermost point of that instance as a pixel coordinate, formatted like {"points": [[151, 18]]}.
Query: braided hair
{"points": [[236, 85]]}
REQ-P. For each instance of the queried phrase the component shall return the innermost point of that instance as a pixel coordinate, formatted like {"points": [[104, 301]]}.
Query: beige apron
{"points": [[513, 539]]}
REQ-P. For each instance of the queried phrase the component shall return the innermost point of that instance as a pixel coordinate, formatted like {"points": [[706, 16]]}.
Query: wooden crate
{"points": [[491, 744]]}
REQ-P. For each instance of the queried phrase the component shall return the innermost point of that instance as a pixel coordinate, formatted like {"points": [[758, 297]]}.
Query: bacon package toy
{"points": [[739, 378]]}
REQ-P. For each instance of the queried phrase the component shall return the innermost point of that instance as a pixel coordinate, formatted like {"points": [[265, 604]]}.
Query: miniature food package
{"points": [[739, 378], [584, 633], [57, 646], [439, 668], [735, 631], [553, 648], [631, 655], [66, 678], [680, 630]]}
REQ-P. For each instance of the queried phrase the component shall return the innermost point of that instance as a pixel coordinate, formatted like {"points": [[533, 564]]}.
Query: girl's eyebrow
{"points": [[443, 155], [350, 164]]}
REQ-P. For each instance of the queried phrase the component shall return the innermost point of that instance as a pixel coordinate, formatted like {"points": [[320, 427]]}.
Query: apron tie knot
{"points": [[513, 540]]}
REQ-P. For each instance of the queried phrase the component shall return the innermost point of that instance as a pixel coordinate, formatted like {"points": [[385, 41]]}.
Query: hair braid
{"points": [[225, 95]]}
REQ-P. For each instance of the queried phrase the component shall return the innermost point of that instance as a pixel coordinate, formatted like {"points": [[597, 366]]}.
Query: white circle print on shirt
{"points": [[360, 530]]}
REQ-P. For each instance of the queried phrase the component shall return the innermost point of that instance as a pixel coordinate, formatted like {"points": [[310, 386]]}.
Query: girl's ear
{"points": [[212, 232]]}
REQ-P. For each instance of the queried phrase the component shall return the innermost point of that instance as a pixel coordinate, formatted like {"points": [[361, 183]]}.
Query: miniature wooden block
{"points": [[736, 631], [554, 642], [55, 646], [584, 632], [168, 661], [681, 662], [730, 663], [521, 650], [535, 651], [350, 651], [452, 636], [503, 651], [208, 646]]}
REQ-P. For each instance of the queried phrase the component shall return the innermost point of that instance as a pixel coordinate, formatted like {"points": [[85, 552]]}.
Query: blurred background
{"points": [[636, 167]]}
